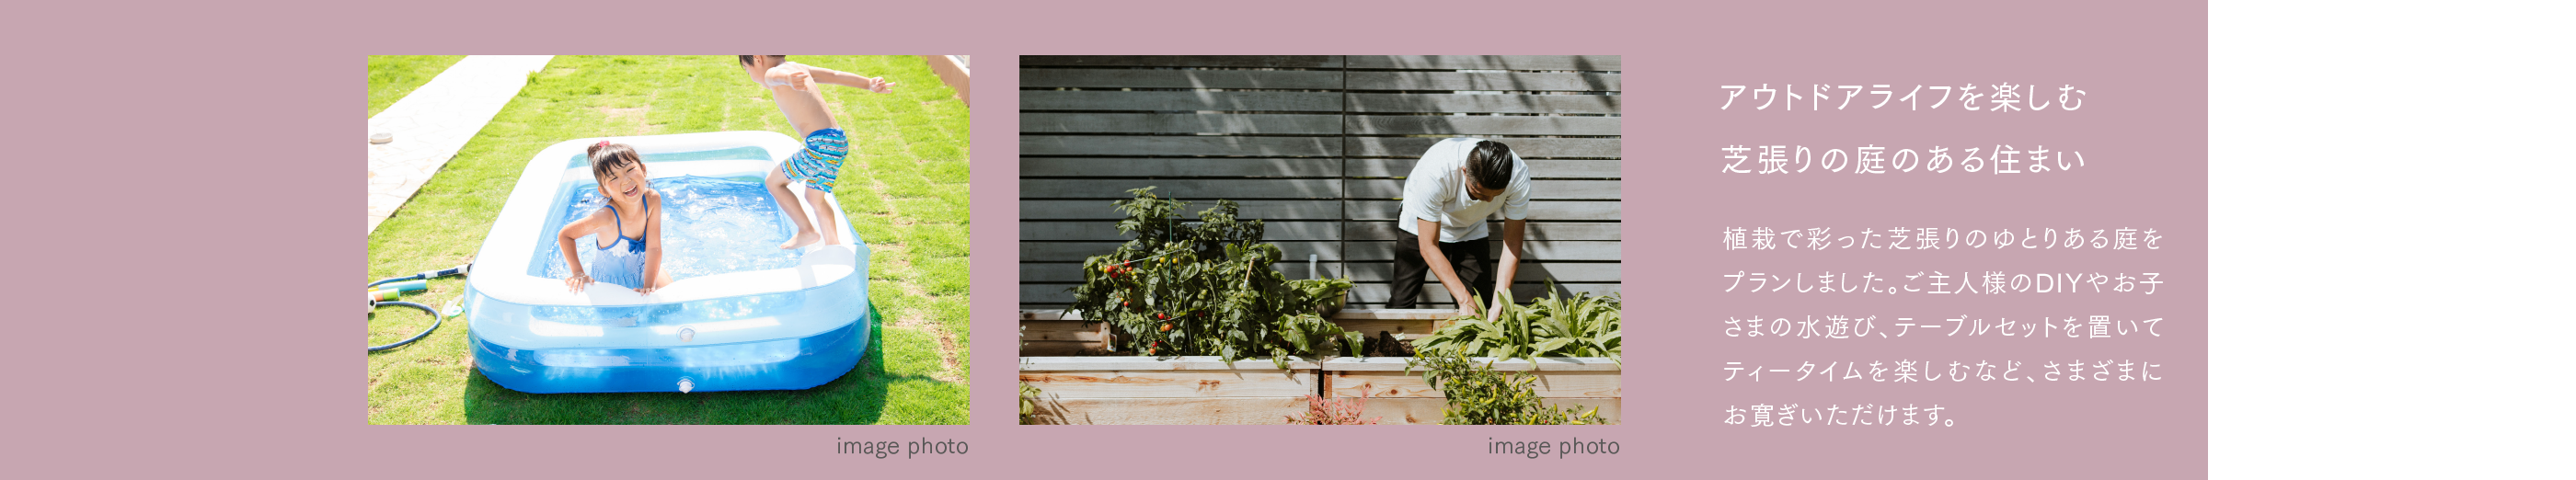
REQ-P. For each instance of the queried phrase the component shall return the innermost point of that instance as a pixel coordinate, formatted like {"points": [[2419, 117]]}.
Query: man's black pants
{"points": [[1472, 260]]}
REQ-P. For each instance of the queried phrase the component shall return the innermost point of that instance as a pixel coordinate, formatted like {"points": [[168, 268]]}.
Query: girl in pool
{"points": [[630, 253]]}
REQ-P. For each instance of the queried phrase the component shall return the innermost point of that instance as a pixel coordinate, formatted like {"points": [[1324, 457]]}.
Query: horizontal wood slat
{"points": [[1235, 61], [1374, 294], [1200, 167], [1130, 78], [1404, 385], [1528, 272], [1541, 190], [1264, 382], [1427, 411], [1094, 364], [1539, 210], [1486, 81], [1530, 250], [1099, 209], [1403, 167], [1042, 145], [1069, 272], [1191, 188], [1364, 295], [1063, 331], [1540, 364], [1058, 314], [1410, 329], [1482, 103], [1077, 251], [1241, 123], [1535, 231], [1526, 148], [1272, 230], [1191, 101], [1596, 63], [1478, 125], [1169, 411]]}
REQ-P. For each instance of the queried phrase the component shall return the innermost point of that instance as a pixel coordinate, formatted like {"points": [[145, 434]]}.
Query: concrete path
{"points": [[435, 121]]}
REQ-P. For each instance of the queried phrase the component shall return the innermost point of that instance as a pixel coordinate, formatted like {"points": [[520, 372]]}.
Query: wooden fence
{"points": [[1316, 146]]}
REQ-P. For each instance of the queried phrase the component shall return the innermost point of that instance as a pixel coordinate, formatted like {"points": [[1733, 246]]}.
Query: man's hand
{"points": [[880, 85]]}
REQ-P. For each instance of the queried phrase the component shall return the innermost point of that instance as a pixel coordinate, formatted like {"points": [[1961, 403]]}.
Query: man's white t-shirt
{"points": [[1437, 191]]}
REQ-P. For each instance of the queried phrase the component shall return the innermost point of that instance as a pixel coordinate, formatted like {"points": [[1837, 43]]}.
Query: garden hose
{"points": [[459, 270], [433, 324], [395, 287]]}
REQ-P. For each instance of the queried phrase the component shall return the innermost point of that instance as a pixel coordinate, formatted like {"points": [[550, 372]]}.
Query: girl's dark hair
{"points": [[608, 157], [746, 59], [1491, 165]]}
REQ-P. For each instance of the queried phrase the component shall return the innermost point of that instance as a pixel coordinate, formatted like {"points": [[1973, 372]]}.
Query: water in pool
{"points": [[711, 226]]}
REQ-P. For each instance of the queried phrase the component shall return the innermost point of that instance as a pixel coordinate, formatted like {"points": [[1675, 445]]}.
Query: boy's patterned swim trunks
{"points": [[819, 163]]}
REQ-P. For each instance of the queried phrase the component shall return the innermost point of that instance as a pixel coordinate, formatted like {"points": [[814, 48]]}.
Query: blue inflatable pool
{"points": [[741, 314]]}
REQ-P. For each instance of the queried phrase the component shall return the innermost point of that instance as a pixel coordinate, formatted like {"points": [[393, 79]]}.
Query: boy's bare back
{"points": [[795, 86]]}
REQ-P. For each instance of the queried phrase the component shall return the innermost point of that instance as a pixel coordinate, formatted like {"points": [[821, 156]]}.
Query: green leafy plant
{"points": [[1029, 398], [1322, 411], [1205, 289], [1325, 291], [1582, 326], [1479, 395]]}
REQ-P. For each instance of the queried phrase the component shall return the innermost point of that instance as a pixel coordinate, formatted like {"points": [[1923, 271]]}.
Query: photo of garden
{"points": [[1320, 240]]}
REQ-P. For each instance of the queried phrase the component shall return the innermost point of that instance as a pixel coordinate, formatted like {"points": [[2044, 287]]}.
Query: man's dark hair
{"points": [[1491, 165], [746, 59]]}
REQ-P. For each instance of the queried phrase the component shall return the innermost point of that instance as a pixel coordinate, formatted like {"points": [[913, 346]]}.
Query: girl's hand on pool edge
{"points": [[575, 282]]}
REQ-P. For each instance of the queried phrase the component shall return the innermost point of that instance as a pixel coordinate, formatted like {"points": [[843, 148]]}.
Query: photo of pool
{"points": [[741, 314]]}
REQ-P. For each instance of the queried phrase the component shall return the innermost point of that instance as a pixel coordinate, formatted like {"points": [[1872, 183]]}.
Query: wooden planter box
{"points": [[1411, 323], [1404, 398], [1056, 333], [1177, 391], [1203, 391]]}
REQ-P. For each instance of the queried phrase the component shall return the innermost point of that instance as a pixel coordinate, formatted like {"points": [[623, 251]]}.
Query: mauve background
{"points": [[206, 342], [2142, 128]]}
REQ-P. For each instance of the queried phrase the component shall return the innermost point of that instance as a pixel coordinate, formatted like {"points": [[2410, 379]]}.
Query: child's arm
{"points": [[652, 244], [847, 79], [572, 232], [799, 100], [790, 75]]}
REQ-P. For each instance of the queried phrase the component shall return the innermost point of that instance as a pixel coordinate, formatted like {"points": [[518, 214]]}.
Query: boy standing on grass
{"points": [[818, 165]]}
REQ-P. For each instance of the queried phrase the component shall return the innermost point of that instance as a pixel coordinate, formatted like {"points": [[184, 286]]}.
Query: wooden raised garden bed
{"points": [[1045, 333], [1092, 389], [1404, 399], [1056, 333], [1176, 391]]}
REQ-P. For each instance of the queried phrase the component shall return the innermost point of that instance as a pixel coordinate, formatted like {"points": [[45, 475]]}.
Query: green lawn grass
{"points": [[389, 77], [903, 186]]}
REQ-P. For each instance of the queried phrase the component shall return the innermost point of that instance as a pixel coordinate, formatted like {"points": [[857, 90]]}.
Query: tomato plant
{"points": [[1205, 288]]}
